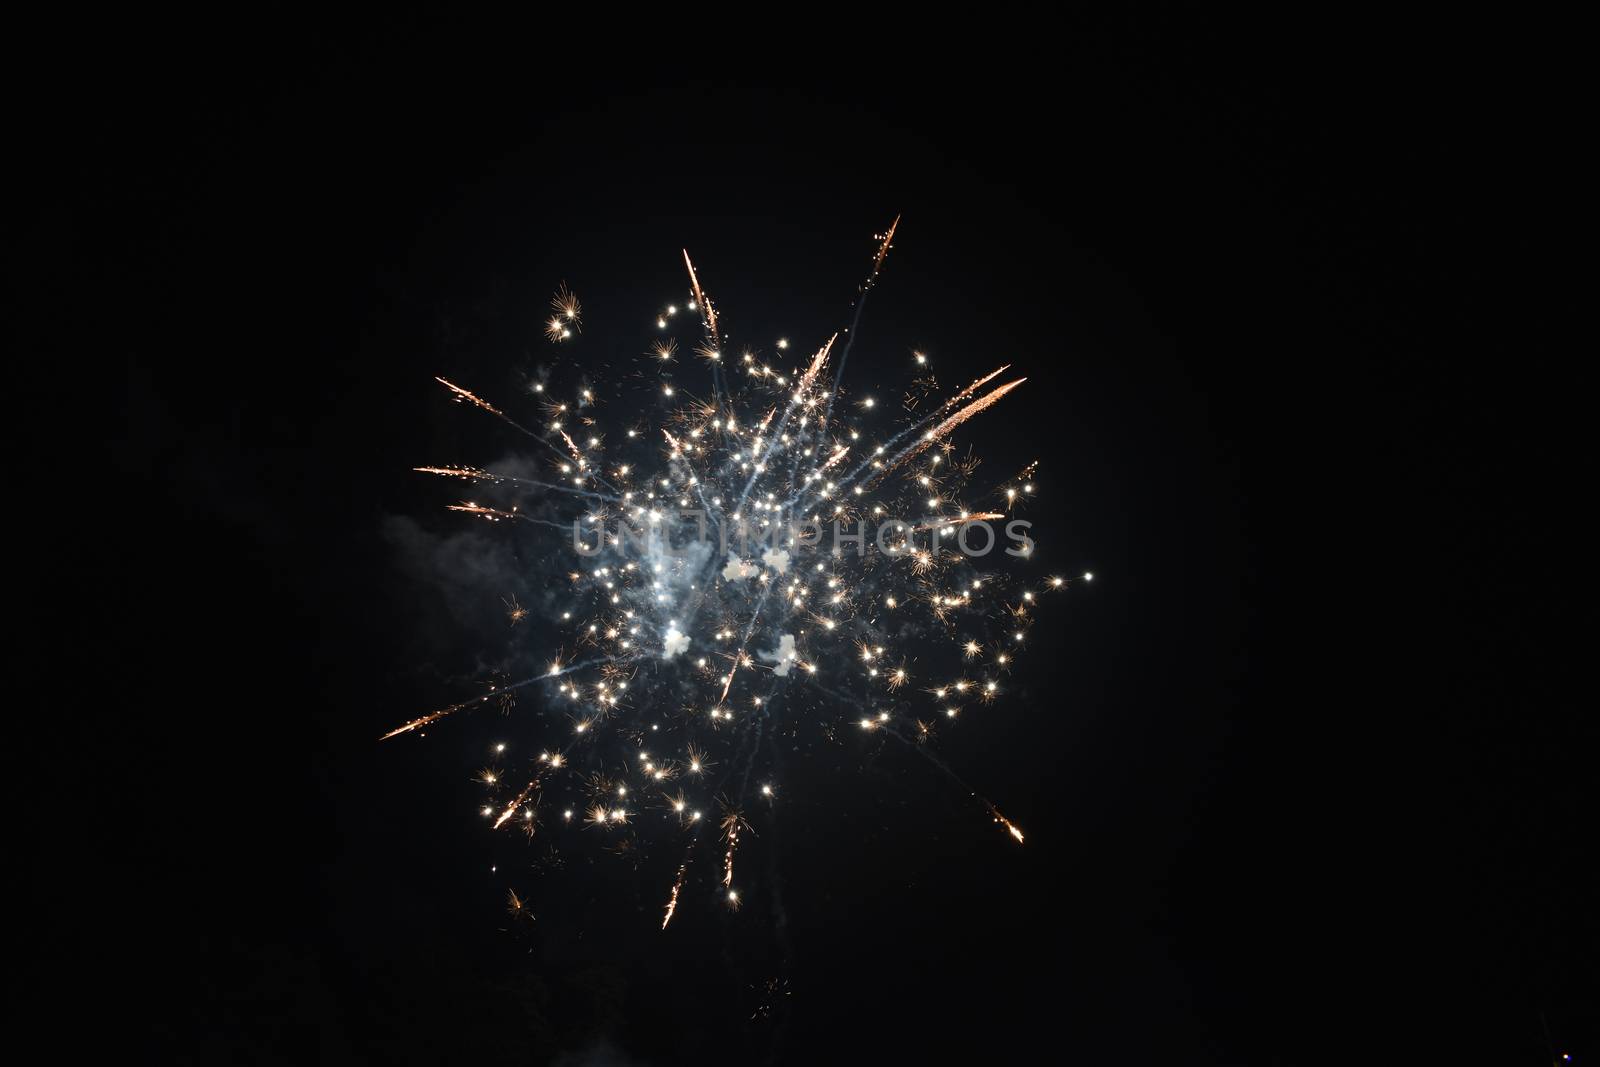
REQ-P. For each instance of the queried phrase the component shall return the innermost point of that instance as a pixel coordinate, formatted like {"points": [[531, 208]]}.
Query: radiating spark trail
{"points": [[457, 472], [672, 902], [976, 407], [972, 409], [512, 807], [499, 514], [883, 250], [707, 312], [847, 480], [732, 823], [1011, 827], [473, 399], [975, 386], [810, 376], [677, 884], [475, 474], [958, 520], [430, 718], [855, 321]]}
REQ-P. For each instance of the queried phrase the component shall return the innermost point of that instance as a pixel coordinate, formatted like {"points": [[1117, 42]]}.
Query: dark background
{"points": [[1303, 773]]}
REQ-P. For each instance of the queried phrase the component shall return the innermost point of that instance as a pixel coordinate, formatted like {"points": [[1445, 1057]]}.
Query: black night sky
{"points": [[1302, 772]]}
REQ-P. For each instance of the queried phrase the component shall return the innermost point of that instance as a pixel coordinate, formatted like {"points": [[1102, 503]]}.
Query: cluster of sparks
{"points": [[682, 642]]}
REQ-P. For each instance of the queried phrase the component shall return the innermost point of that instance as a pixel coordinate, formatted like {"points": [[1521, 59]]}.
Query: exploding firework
{"points": [[736, 562]]}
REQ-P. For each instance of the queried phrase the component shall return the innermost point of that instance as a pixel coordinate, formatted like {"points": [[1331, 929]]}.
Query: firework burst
{"points": [[738, 561]]}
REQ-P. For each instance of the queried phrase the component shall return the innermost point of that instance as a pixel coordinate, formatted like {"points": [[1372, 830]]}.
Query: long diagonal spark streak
{"points": [[957, 520], [516, 803], [732, 823], [677, 887], [982, 404], [703, 632], [884, 244], [430, 718], [708, 313], [883, 249], [474, 474], [477, 401], [798, 501]]}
